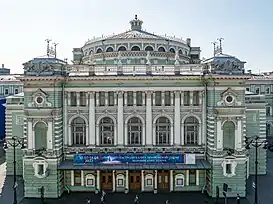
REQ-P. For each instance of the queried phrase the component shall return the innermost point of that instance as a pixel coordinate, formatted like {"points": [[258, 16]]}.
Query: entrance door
{"points": [[135, 181], [106, 180], [163, 181]]}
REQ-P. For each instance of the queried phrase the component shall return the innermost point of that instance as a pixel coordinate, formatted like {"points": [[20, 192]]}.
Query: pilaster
{"points": [[49, 135], [171, 180], [120, 135], [72, 177], [78, 98], [30, 135], [142, 180], [98, 180], [65, 136], [219, 134], [149, 122], [177, 122], [92, 120]]}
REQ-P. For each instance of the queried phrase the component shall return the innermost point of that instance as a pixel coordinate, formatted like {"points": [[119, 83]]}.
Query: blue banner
{"points": [[153, 158]]}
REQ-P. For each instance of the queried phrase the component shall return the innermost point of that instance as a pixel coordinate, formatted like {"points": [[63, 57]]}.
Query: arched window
{"points": [[161, 49], [149, 48], [180, 52], [229, 135], [135, 48], [109, 49], [78, 130], [40, 131], [99, 50], [163, 131], [191, 127], [107, 130], [122, 48], [91, 52], [172, 50], [134, 131]]}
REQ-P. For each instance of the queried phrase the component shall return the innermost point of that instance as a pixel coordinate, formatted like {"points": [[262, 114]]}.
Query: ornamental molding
{"points": [[40, 100], [233, 164]]}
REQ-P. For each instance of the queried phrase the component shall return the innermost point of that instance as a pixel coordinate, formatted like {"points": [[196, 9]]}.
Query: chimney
{"points": [[3, 66]]}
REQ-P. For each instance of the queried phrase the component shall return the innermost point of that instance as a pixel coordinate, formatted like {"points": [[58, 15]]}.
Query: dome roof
{"points": [[220, 58], [136, 32]]}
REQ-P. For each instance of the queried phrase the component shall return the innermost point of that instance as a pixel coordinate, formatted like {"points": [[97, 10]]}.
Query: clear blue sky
{"points": [[246, 26]]}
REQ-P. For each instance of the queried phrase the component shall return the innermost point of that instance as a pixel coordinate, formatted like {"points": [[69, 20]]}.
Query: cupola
{"points": [[136, 24]]}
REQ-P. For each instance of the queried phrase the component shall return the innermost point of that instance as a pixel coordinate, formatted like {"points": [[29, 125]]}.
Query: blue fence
{"points": [[2, 119]]}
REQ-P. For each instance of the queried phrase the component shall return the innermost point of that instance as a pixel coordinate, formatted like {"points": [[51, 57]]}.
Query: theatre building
{"points": [[134, 112]]}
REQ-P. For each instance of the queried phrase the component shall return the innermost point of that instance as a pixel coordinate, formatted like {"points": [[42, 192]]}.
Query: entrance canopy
{"points": [[200, 164]]}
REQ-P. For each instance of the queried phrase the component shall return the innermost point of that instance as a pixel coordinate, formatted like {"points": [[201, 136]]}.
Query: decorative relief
{"points": [[229, 98], [40, 99], [229, 167]]}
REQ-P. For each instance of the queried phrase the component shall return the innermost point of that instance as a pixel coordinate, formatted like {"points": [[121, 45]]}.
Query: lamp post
{"points": [[14, 142], [254, 142]]}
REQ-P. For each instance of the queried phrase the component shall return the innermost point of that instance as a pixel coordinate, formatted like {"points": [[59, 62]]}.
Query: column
{"points": [[197, 177], [155, 180], [92, 120], [182, 98], [68, 98], [65, 136], [125, 98], [97, 98], [153, 98], [86, 98], [134, 95], [149, 122], [191, 98], [127, 180], [30, 136], [171, 180], [78, 98], [69, 135], [142, 180], [114, 181], [72, 177], [238, 134], [120, 135], [143, 99], [187, 177], [98, 180], [172, 98], [163, 98], [177, 119], [219, 134], [49, 135], [204, 118], [82, 178], [106, 98]]}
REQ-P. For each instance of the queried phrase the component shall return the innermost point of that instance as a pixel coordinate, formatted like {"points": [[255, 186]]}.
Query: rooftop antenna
{"points": [[55, 49], [214, 47], [47, 47], [220, 44]]}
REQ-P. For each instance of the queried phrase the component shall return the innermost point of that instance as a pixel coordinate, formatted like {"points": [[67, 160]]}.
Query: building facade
{"points": [[9, 85], [135, 112]]}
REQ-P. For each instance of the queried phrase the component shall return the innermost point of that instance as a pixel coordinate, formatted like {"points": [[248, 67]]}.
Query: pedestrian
{"points": [[167, 202], [136, 200], [88, 201]]}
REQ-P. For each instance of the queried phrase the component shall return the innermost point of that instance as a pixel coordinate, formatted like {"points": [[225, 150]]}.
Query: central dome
{"points": [[134, 47]]}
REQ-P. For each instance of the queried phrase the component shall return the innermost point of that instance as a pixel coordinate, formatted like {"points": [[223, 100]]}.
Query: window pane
{"points": [[158, 98], [186, 98], [111, 98]]}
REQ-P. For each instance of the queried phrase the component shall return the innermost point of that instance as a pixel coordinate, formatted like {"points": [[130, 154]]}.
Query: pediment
{"points": [[229, 91], [40, 99]]}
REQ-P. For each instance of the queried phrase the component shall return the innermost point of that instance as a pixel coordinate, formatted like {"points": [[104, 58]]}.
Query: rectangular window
{"points": [[257, 91], [90, 182], [73, 99], [179, 182], [82, 99], [111, 98], [149, 182], [228, 168], [6, 91], [40, 169], [167, 99], [101, 98], [16, 91], [120, 182], [267, 90], [196, 98], [130, 98], [186, 98], [77, 178], [192, 177], [268, 111], [158, 98], [139, 98], [247, 89]]}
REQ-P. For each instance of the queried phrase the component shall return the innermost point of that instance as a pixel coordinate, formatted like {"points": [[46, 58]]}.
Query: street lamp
{"points": [[14, 142], [254, 142]]}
